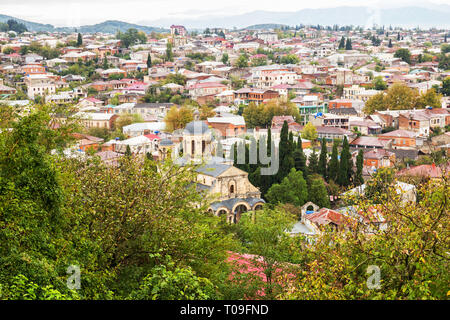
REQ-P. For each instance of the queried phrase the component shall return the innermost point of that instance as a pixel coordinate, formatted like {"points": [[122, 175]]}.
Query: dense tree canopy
{"points": [[401, 97], [261, 115], [403, 54], [131, 37], [177, 118]]}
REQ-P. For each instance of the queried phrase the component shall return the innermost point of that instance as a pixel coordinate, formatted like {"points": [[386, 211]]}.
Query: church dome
{"points": [[166, 142], [196, 127]]}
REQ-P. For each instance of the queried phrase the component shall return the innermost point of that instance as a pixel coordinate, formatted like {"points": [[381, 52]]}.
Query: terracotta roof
{"points": [[427, 170], [332, 130], [399, 133], [368, 141], [326, 216], [377, 154], [152, 136]]}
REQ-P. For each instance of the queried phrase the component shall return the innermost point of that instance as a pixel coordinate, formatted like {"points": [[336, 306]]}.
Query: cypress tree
{"points": [[253, 148], [284, 153], [266, 181], [300, 158], [79, 40], [128, 151], [342, 43], [322, 169], [291, 141], [149, 61], [345, 171], [348, 45], [333, 166], [246, 165], [269, 142], [313, 162], [233, 154], [390, 43], [359, 168]]}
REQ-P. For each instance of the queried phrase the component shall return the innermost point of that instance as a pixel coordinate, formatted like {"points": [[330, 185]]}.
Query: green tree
{"points": [[376, 102], [293, 189], [79, 40], [128, 151], [169, 53], [32, 221], [225, 58], [398, 97], [345, 165], [430, 99], [263, 233], [300, 158], [318, 193], [131, 37], [323, 159], [177, 118], [446, 86], [171, 282], [309, 132], [379, 83], [313, 162], [333, 166], [403, 54], [348, 44], [242, 61], [290, 59], [285, 153], [262, 61], [342, 43], [359, 168]]}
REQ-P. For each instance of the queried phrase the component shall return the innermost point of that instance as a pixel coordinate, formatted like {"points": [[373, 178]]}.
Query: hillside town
{"points": [[339, 110]]}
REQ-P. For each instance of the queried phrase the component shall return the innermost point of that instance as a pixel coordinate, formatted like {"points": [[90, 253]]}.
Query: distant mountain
{"points": [[104, 27], [264, 26], [112, 26], [32, 26], [409, 16]]}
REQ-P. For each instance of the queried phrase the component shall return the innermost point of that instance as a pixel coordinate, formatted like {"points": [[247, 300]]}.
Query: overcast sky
{"points": [[82, 12]]}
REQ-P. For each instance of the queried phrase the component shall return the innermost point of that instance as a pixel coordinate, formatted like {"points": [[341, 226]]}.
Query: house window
{"points": [[203, 146], [232, 189], [192, 147]]}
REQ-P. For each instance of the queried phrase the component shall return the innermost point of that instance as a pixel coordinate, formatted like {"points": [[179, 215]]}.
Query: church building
{"points": [[217, 177]]}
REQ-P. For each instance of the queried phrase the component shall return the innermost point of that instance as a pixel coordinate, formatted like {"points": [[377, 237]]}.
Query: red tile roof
{"points": [[426, 170], [152, 136], [399, 134], [325, 216]]}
